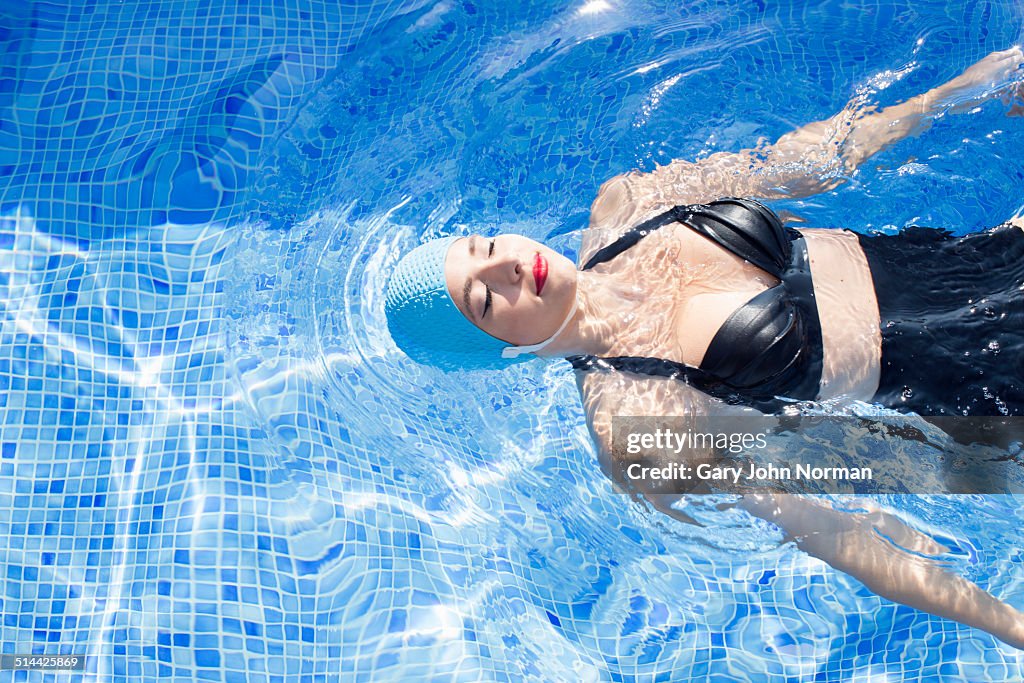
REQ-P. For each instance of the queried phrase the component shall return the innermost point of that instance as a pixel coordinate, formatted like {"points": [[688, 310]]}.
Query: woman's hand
{"points": [[1013, 96], [1000, 74]]}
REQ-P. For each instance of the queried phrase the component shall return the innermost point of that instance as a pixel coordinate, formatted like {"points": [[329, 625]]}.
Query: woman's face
{"points": [[511, 287]]}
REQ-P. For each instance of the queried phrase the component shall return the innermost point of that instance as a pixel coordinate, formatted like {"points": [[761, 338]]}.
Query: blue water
{"points": [[215, 466]]}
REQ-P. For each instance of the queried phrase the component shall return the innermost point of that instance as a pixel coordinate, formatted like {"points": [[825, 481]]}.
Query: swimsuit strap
{"points": [[743, 227], [763, 400], [629, 238]]}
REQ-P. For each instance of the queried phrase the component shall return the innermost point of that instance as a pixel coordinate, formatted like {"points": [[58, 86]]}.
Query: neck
{"points": [[604, 305]]}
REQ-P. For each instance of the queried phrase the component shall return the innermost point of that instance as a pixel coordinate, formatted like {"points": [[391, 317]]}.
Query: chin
{"points": [[562, 275]]}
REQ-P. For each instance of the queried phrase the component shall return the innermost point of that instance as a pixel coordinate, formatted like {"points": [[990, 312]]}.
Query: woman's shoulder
{"points": [[622, 202], [605, 394], [625, 199], [628, 199], [608, 395]]}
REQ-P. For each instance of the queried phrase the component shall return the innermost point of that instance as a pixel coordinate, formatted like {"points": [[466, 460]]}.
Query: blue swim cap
{"points": [[425, 322]]}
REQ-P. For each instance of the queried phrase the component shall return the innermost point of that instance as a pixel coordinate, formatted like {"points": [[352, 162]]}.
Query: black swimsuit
{"points": [[768, 348], [952, 320], [951, 314]]}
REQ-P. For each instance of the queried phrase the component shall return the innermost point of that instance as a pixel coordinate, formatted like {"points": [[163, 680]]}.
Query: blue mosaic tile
{"points": [[213, 466]]}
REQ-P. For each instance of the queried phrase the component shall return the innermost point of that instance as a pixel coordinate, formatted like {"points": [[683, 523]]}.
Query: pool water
{"points": [[214, 464]]}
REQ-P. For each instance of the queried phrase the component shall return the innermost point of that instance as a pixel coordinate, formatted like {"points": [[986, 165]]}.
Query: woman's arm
{"points": [[811, 159], [869, 544], [856, 543], [607, 396]]}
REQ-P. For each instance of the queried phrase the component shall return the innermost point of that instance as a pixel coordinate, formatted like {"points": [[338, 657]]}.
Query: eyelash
{"points": [[487, 297]]}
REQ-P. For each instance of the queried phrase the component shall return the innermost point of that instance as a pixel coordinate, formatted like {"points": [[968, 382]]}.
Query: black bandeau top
{"points": [[770, 348]]}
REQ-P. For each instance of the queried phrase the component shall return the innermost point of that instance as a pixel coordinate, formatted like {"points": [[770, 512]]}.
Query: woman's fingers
{"points": [[995, 67], [998, 74], [1014, 98]]}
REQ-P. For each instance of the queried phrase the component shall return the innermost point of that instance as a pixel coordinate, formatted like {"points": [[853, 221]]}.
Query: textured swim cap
{"points": [[425, 322]]}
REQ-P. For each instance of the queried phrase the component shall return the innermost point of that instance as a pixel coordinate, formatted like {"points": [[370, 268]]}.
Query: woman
{"points": [[721, 295]]}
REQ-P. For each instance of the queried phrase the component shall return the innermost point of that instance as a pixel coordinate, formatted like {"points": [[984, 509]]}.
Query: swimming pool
{"points": [[215, 466]]}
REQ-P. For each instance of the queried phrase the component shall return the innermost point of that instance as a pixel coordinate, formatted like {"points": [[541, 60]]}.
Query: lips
{"points": [[540, 272]]}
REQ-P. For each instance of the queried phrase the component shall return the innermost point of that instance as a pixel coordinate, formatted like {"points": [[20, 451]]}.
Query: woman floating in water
{"points": [[705, 306]]}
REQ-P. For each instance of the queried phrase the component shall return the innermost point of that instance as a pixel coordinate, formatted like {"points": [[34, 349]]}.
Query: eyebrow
{"points": [[465, 297], [469, 282]]}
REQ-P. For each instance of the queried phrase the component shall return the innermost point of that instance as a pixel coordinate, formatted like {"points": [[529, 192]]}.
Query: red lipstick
{"points": [[540, 272]]}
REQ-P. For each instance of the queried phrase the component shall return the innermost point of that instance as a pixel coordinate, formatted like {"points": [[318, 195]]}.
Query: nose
{"points": [[502, 268]]}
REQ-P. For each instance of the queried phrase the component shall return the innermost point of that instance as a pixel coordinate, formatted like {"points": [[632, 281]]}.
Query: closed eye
{"points": [[487, 297]]}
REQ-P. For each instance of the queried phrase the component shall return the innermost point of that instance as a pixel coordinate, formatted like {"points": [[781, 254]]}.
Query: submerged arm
{"points": [[617, 394], [856, 543], [814, 158], [872, 546]]}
